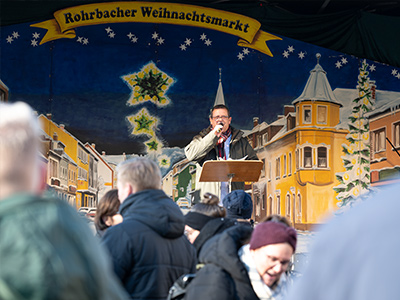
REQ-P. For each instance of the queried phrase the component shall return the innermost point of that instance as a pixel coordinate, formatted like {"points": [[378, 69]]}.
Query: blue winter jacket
{"points": [[148, 248]]}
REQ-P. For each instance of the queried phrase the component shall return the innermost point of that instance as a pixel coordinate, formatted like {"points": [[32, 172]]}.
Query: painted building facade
{"points": [[83, 165], [301, 153], [3, 92], [105, 178], [182, 180], [61, 169], [167, 185], [85, 192], [384, 124]]}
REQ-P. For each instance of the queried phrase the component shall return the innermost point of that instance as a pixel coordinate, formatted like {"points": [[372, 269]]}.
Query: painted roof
{"points": [[317, 87], [4, 85], [389, 106], [383, 99], [219, 99]]}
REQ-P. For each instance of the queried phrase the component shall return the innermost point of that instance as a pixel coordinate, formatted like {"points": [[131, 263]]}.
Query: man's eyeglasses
{"points": [[220, 117], [272, 260]]}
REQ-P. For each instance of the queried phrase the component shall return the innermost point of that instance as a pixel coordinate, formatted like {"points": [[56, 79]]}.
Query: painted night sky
{"points": [[88, 82]]}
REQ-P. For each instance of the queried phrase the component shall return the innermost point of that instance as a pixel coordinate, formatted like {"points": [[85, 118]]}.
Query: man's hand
{"points": [[218, 129]]}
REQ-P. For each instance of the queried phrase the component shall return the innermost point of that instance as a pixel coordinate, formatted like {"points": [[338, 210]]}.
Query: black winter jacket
{"points": [[224, 276], [148, 248], [212, 228]]}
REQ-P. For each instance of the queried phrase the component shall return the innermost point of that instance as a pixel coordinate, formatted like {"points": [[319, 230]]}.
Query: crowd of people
{"points": [[145, 244]]}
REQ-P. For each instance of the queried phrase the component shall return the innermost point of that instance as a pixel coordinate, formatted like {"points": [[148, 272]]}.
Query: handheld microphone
{"points": [[219, 130]]}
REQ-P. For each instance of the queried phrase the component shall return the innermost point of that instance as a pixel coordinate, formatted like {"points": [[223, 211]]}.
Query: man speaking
{"points": [[219, 141]]}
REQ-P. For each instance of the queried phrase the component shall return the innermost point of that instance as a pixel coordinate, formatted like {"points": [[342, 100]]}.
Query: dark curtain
{"points": [[358, 33]]}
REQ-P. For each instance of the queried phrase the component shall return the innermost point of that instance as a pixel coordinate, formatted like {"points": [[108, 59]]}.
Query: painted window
{"points": [[284, 165], [82, 155], [2, 95], [265, 138], [278, 204], [278, 167], [307, 157], [82, 174], [263, 168], [270, 206], [396, 134], [269, 171], [259, 141], [288, 208], [64, 172], [263, 202], [307, 114], [322, 114], [379, 140], [322, 157], [53, 168], [290, 164]]}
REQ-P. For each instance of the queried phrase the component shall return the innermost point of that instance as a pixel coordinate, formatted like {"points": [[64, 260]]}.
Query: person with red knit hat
{"points": [[271, 246], [241, 263]]}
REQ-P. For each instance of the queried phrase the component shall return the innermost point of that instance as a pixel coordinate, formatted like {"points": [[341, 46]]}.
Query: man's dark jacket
{"points": [[239, 148], [148, 248]]}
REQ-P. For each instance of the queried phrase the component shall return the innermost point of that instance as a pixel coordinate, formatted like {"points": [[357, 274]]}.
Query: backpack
{"points": [[178, 289]]}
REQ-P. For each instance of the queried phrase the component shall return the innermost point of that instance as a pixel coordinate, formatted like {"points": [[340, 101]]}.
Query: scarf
{"points": [[263, 291], [224, 136]]}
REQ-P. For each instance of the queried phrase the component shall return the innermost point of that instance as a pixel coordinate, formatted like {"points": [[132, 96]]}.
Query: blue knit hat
{"points": [[238, 204]]}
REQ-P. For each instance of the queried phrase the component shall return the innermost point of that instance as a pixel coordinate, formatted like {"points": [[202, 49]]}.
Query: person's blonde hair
{"points": [[140, 172], [209, 206]]}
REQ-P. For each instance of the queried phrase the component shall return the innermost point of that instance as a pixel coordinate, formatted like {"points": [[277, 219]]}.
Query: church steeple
{"points": [[219, 99], [317, 87]]}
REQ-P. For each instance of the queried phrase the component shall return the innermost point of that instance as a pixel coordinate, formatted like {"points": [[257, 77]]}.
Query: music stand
{"points": [[231, 171]]}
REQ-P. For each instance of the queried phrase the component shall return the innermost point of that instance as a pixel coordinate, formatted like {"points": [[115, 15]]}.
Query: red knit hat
{"points": [[267, 233]]}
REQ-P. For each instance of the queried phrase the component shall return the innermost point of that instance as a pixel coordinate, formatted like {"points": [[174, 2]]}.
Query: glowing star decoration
{"points": [[153, 145], [149, 84], [143, 123], [164, 161]]}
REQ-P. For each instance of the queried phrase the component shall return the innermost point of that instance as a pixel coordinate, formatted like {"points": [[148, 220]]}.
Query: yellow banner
{"points": [[247, 29]]}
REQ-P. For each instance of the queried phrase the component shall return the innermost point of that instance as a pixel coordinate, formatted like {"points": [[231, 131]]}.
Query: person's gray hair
{"points": [[140, 172], [19, 146]]}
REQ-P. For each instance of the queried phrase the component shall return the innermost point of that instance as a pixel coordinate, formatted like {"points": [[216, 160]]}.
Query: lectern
{"points": [[231, 171]]}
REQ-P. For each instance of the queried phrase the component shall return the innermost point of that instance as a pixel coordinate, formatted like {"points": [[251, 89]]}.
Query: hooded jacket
{"points": [[203, 147], [212, 228], [148, 248], [224, 276], [48, 252]]}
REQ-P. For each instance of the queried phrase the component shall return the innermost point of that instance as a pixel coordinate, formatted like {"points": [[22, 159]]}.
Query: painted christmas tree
{"points": [[355, 181]]}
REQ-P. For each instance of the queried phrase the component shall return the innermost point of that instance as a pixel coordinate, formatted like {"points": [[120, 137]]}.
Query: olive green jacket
{"points": [[48, 252]]}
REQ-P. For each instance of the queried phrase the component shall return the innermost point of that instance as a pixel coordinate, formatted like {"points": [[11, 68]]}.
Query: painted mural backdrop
{"points": [[140, 78]]}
